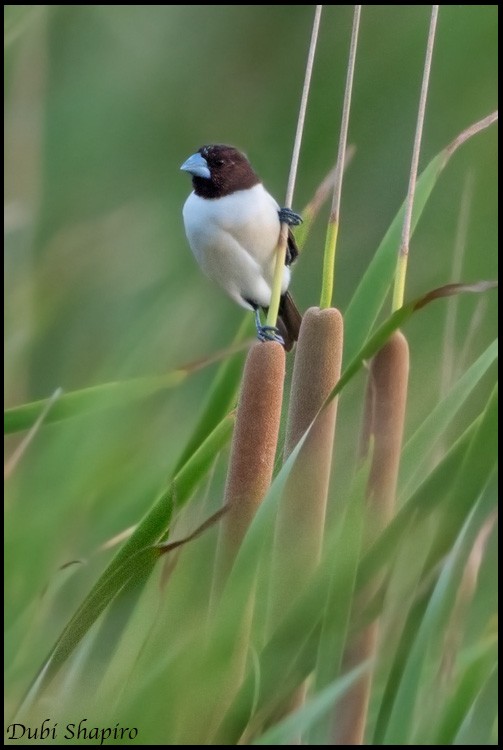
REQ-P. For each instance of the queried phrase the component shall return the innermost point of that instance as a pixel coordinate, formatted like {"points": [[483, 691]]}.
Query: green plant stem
{"points": [[400, 276], [272, 314], [333, 223], [327, 284]]}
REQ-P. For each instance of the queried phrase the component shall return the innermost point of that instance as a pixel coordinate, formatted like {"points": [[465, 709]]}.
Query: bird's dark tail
{"points": [[289, 320]]}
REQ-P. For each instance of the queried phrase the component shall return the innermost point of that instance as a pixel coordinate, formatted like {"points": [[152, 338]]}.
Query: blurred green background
{"points": [[102, 105]]}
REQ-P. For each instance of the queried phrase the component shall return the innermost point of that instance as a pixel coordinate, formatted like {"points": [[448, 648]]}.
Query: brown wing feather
{"points": [[292, 251], [289, 320]]}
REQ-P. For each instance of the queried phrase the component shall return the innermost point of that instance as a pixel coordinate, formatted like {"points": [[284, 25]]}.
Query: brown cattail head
{"points": [[249, 476], [253, 446], [316, 371], [301, 515], [388, 379], [383, 422]]}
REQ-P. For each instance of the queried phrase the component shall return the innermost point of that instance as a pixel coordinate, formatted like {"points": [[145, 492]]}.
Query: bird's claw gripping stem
{"points": [[287, 216], [267, 333]]}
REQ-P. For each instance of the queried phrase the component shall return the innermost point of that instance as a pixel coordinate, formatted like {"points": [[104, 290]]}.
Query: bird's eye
{"points": [[219, 162]]}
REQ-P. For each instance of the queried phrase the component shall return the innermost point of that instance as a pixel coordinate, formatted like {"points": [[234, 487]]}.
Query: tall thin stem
{"points": [[403, 253], [333, 223], [283, 236]]}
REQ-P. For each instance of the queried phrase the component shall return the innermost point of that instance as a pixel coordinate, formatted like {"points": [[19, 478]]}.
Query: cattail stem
{"points": [[383, 429], [327, 283], [403, 253], [323, 191], [272, 314], [329, 263]]}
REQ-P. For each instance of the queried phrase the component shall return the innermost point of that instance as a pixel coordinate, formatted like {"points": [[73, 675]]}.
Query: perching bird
{"points": [[232, 225]]}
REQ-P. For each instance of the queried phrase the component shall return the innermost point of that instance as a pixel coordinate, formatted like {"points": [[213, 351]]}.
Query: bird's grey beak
{"points": [[196, 165]]}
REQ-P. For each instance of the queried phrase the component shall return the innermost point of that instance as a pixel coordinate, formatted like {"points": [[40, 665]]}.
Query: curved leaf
{"points": [[373, 288]]}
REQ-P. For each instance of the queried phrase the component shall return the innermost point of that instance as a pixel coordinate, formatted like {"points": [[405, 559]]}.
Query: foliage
{"points": [[103, 299]]}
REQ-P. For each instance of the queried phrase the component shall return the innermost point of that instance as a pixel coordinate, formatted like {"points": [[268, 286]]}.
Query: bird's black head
{"points": [[219, 170]]}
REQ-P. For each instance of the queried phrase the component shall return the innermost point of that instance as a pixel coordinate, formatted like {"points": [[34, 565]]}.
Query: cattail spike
{"points": [[383, 424], [253, 447], [301, 515]]}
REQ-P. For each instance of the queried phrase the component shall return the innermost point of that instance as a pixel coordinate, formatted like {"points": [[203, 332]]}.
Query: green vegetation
{"points": [[106, 620]]}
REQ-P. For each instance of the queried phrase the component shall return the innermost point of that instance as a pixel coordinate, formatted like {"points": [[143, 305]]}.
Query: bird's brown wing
{"points": [[289, 320], [292, 251]]}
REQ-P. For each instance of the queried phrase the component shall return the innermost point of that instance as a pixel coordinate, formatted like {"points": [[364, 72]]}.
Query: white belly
{"points": [[234, 239]]}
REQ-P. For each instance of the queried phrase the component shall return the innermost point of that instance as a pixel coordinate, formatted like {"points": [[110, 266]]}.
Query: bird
{"points": [[232, 225]]}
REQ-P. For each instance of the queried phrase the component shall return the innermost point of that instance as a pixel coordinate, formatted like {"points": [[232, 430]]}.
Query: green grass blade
{"points": [[112, 627], [258, 542], [290, 654], [135, 554], [299, 722], [472, 477], [455, 497], [374, 286], [372, 290], [293, 651], [428, 644], [87, 614], [344, 564], [478, 727], [417, 450], [87, 400], [414, 620], [465, 694], [430, 495], [397, 319], [398, 666], [456, 483], [221, 398]]}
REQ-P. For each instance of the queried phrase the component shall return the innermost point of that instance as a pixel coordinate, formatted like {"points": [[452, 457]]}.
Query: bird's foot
{"points": [[287, 216], [269, 333]]}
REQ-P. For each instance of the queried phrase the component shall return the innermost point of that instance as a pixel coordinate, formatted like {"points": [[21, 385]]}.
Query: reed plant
{"points": [[279, 578]]}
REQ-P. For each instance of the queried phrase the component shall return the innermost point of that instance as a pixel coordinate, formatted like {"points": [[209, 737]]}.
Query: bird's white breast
{"points": [[234, 238]]}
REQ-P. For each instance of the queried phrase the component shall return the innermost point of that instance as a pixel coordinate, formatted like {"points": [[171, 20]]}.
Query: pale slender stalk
{"points": [[257, 427], [383, 430], [333, 224], [403, 253], [272, 315], [311, 209], [301, 515]]}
